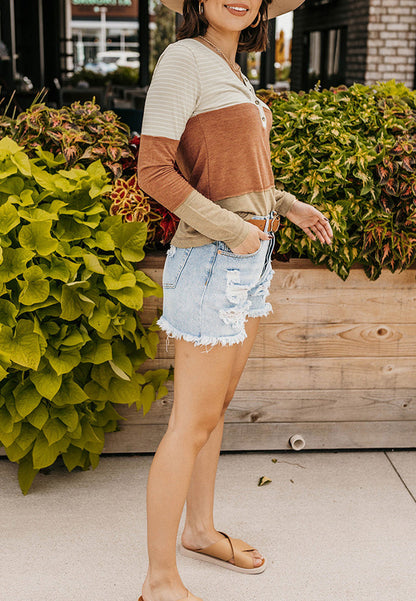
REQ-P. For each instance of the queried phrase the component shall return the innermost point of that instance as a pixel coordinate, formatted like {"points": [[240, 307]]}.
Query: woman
{"points": [[205, 155]]}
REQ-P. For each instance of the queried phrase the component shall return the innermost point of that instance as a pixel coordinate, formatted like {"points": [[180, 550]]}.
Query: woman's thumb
{"points": [[263, 235]]}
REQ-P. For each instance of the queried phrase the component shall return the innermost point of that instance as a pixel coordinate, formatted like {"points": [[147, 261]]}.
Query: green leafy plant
{"points": [[81, 132], [351, 153], [71, 340]]}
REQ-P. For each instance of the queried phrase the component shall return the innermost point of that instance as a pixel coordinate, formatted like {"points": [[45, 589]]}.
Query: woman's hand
{"points": [[251, 242], [311, 221]]}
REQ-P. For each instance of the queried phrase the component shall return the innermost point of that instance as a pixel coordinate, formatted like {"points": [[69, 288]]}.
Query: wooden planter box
{"points": [[334, 363]]}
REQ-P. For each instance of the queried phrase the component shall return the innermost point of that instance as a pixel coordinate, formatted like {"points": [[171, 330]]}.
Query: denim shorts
{"points": [[209, 291]]}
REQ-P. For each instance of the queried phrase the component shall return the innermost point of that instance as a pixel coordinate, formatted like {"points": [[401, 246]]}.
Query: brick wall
{"points": [[391, 45], [381, 38]]}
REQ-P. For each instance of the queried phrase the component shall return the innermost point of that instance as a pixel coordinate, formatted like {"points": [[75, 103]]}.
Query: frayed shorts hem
{"points": [[261, 312], [172, 332]]}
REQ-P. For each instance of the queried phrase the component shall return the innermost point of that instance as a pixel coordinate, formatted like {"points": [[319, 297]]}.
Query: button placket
{"points": [[256, 102]]}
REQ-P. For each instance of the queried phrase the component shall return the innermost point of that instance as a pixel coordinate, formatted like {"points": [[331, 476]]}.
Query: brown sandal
{"points": [[222, 551], [189, 597]]}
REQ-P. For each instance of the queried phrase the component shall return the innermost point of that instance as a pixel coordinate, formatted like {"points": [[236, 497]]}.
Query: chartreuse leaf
{"points": [[26, 473], [14, 263], [147, 397], [69, 394], [8, 438], [72, 457], [96, 352], [8, 313], [38, 417], [130, 297], [116, 279], [35, 288], [46, 382], [37, 236], [148, 286], [49, 158], [37, 214], [54, 430], [61, 269], [69, 230], [6, 420], [21, 160], [100, 320], [73, 304], [68, 415], [26, 398], [126, 391], [22, 346], [128, 237], [26, 437], [63, 362], [92, 263], [45, 454], [9, 217], [8, 147], [7, 169]]}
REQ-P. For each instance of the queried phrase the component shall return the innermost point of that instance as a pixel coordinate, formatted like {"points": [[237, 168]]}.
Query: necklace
{"points": [[236, 68]]}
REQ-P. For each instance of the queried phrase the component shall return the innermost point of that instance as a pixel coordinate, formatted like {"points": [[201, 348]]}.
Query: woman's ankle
{"points": [[162, 587]]}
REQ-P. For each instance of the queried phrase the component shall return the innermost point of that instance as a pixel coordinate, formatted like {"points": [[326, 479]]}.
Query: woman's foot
{"points": [[193, 540], [164, 590]]}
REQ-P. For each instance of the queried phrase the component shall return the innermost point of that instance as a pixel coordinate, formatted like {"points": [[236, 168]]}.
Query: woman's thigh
{"points": [[200, 385], [240, 359]]}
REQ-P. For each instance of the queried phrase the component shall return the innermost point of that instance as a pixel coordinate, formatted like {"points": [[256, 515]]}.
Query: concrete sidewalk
{"points": [[334, 525]]}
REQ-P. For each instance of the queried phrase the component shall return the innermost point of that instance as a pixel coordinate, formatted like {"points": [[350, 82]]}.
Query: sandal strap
{"points": [[230, 548]]}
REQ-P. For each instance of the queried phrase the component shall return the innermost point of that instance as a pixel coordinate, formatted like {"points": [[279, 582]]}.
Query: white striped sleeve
{"points": [[173, 93]]}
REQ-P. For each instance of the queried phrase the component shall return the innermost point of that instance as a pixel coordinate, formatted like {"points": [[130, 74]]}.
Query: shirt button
{"points": [[263, 118], [257, 101]]}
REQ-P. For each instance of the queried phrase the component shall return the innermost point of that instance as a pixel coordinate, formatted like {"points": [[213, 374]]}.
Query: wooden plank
{"points": [[257, 406], [325, 340], [302, 273], [275, 436], [301, 305], [321, 374]]}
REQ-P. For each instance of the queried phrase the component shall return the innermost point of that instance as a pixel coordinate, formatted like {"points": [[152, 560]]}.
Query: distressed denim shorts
{"points": [[209, 291]]}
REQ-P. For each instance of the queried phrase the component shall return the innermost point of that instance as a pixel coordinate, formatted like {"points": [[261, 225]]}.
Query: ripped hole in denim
{"points": [[237, 294]]}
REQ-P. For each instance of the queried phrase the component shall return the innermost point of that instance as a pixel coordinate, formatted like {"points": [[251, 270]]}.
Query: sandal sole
{"points": [[220, 562]]}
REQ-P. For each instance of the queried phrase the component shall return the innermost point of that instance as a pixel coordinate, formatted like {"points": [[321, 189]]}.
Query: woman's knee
{"points": [[195, 433]]}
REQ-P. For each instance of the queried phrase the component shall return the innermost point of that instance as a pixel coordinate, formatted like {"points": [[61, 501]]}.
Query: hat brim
{"points": [[275, 8]]}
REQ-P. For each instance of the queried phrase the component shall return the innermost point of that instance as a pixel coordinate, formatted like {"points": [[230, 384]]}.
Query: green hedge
{"points": [[70, 335], [351, 152]]}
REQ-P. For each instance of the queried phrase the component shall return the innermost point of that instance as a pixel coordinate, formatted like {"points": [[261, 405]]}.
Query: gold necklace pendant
{"points": [[236, 68]]}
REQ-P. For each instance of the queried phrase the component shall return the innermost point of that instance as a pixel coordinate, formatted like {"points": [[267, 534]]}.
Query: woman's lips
{"points": [[233, 9]]}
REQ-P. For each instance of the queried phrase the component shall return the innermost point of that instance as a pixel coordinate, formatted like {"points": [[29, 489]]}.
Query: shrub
{"points": [[81, 132], [351, 153], [70, 336]]}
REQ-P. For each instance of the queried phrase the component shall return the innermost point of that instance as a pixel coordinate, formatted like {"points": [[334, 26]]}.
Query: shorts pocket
{"points": [[175, 262], [223, 249]]}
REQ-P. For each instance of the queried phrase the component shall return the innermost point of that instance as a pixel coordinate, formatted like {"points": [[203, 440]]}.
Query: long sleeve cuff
{"points": [[211, 220], [284, 201]]}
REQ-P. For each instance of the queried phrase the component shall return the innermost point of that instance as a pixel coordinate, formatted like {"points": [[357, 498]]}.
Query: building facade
{"points": [[346, 41]]}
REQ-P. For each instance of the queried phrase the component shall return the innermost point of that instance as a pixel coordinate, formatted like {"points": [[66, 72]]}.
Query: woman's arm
{"points": [[171, 100]]}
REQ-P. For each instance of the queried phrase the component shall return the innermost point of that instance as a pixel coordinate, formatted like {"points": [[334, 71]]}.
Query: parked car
{"points": [[109, 61]]}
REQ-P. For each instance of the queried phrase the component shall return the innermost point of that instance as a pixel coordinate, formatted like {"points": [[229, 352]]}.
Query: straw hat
{"points": [[275, 8]]}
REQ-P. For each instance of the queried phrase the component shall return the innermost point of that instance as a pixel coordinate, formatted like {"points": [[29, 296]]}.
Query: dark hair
{"points": [[252, 39]]}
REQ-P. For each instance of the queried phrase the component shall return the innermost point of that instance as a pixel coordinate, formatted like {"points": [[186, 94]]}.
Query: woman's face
{"points": [[234, 15]]}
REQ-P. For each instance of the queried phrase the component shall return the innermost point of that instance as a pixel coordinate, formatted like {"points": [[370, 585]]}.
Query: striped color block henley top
{"points": [[201, 116]]}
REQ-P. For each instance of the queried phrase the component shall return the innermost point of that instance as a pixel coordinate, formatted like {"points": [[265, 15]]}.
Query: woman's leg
{"points": [[200, 386], [199, 530]]}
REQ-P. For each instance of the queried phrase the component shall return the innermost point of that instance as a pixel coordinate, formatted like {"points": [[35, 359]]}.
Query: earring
{"points": [[257, 20], [201, 8]]}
